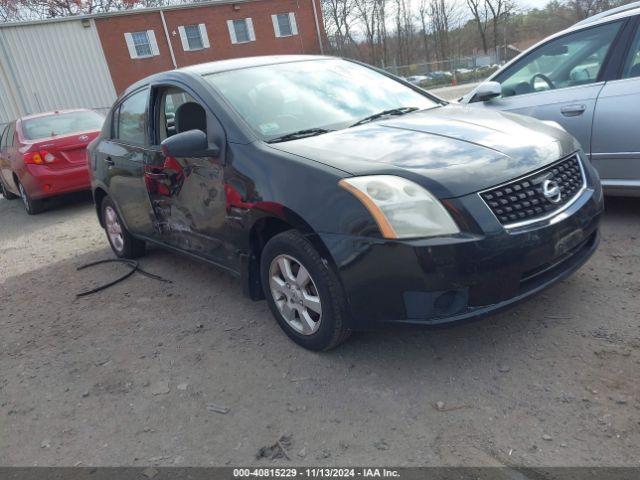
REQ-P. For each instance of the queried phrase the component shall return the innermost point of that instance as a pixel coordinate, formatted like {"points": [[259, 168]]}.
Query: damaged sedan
{"points": [[344, 196]]}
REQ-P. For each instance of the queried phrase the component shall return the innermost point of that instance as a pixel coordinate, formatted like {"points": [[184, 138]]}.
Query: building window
{"points": [[194, 37], [284, 24], [142, 44], [241, 31]]}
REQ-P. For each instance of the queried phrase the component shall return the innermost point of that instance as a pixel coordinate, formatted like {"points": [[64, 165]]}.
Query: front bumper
{"points": [[483, 269]]}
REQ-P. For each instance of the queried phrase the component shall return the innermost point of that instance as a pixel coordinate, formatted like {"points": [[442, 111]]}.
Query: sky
{"points": [[526, 4]]}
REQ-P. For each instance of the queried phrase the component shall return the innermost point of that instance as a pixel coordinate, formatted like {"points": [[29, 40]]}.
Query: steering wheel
{"points": [[541, 76]]}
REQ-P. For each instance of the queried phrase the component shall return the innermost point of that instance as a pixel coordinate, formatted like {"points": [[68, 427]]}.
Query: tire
{"points": [[123, 244], [6, 193], [33, 207], [295, 303]]}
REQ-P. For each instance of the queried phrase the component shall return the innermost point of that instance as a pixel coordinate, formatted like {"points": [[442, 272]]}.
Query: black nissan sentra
{"points": [[345, 196]]}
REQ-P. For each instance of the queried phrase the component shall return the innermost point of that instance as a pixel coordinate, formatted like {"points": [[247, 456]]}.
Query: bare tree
{"points": [[381, 31], [404, 31], [8, 11], [585, 8], [500, 11], [367, 13], [480, 13], [339, 16], [423, 17]]}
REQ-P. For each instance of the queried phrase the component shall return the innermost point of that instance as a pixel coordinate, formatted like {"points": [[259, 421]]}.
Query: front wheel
{"points": [[123, 244], [303, 293]]}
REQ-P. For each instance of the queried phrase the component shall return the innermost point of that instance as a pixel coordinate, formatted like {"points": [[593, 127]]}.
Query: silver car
{"points": [[587, 79]]}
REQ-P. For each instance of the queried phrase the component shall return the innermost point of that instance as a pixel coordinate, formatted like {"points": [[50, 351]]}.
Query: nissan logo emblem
{"points": [[83, 138], [551, 191]]}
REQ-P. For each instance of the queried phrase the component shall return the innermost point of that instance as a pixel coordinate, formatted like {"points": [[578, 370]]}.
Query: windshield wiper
{"points": [[393, 111], [309, 132]]}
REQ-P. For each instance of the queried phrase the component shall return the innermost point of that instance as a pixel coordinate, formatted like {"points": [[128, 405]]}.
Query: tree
{"points": [[339, 15], [480, 14], [367, 13], [500, 10]]}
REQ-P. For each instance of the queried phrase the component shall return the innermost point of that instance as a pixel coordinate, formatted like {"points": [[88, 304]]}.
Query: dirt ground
{"points": [[139, 374]]}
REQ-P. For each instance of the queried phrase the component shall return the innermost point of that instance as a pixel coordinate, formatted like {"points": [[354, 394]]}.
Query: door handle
{"points": [[573, 110], [109, 162]]}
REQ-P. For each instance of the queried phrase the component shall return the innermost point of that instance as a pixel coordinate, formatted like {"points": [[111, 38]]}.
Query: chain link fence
{"points": [[454, 71]]}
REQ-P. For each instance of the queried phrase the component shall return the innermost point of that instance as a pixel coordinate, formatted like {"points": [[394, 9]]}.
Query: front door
{"points": [[121, 160], [187, 194], [560, 80], [616, 128]]}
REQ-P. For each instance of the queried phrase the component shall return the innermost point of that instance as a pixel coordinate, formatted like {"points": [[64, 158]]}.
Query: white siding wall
{"points": [[51, 66]]}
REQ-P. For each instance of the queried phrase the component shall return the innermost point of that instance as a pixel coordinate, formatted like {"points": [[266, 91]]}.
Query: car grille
{"points": [[524, 200]]}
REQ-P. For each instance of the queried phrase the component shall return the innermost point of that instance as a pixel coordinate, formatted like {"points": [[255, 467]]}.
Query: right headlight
{"points": [[400, 207]]}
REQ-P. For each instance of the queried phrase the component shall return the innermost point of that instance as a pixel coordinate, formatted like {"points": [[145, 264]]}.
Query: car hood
{"points": [[452, 150]]}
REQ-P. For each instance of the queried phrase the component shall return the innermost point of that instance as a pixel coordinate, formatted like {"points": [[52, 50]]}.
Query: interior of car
{"points": [[572, 60], [179, 112]]}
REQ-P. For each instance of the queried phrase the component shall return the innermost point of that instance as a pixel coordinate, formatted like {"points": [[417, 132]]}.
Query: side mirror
{"points": [[487, 91], [192, 143]]}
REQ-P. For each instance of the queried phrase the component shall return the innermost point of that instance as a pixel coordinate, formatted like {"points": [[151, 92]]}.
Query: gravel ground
{"points": [[139, 374]]}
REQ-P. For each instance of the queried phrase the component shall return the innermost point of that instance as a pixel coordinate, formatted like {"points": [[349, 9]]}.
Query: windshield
{"points": [[61, 124], [276, 100]]}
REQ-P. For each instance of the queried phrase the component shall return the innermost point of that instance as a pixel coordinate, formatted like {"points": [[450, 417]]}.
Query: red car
{"points": [[45, 155]]}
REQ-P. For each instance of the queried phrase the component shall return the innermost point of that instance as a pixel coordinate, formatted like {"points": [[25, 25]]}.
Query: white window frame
{"points": [[232, 30], [185, 41], [292, 23], [153, 44]]}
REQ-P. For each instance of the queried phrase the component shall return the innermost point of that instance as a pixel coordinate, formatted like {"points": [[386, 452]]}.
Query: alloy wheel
{"points": [[295, 294], [114, 229]]}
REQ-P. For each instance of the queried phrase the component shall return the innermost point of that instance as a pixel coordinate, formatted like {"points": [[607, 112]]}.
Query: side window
{"points": [[131, 119], [632, 65], [572, 60], [179, 112]]}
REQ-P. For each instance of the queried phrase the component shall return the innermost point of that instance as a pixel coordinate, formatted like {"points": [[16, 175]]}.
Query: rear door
{"points": [[615, 147], [560, 80], [121, 159]]}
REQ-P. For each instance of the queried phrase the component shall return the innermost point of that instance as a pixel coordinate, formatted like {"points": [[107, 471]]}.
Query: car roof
{"points": [[248, 62], [604, 17], [627, 10], [223, 66]]}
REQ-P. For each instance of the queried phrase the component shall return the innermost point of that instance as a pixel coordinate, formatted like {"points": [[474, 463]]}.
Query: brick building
{"points": [[181, 36], [86, 61]]}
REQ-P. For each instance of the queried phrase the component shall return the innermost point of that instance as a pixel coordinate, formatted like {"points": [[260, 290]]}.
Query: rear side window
{"points": [[131, 121], [61, 124]]}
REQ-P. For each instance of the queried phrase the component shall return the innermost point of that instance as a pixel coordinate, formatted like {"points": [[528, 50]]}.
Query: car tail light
{"points": [[39, 158]]}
